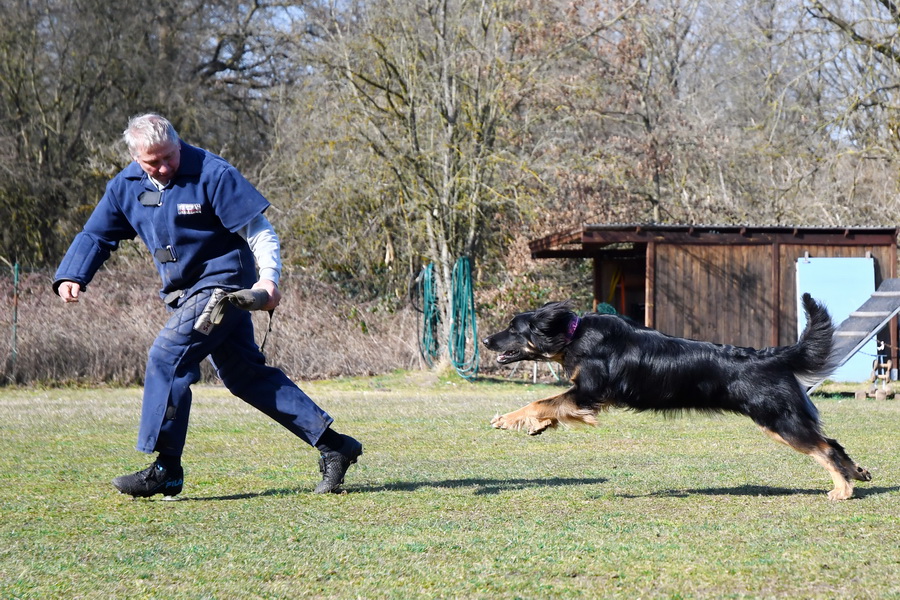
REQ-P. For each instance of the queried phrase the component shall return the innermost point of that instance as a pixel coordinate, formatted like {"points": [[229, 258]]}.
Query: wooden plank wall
{"points": [[738, 294], [720, 294]]}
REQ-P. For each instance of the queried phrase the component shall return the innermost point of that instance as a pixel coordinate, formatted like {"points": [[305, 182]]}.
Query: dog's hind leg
{"points": [[541, 415], [828, 453]]}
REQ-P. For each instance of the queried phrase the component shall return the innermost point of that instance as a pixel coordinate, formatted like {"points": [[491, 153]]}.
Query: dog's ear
{"points": [[549, 325], [552, 311]]}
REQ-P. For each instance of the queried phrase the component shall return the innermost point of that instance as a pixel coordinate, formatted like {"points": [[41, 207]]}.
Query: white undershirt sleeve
{"points": [[265, 246]]}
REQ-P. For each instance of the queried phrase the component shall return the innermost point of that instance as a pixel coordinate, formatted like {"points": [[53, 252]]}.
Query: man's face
{"points": [[160, 161]]}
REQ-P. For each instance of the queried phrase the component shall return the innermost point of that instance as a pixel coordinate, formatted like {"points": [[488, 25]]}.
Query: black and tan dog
{"points": [[613, 362]]}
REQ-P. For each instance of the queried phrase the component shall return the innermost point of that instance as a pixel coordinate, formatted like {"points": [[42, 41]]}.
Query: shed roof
{"points": [[589, 240]]}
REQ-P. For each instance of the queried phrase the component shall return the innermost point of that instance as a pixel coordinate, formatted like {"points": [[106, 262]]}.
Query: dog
{"points": [[614, 362]]}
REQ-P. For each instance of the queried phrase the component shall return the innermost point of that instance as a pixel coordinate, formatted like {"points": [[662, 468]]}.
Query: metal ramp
{"points": [[866, 321]]}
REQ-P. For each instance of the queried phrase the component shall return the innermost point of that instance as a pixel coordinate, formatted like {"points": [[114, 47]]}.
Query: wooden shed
{"points": [[726, 284]]}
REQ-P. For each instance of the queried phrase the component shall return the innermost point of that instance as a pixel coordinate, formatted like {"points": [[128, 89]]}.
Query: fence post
{"points": [[15, 322]]}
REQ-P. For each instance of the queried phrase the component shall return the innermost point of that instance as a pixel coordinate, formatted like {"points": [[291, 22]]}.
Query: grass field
{"points": [[441, 505]]}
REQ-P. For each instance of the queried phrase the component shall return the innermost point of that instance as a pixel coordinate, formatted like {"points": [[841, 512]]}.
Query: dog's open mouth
{"points": [[509, 356]]}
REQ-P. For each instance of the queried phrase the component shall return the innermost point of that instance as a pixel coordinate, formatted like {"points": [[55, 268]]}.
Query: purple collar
{"points": [[573, 325]]}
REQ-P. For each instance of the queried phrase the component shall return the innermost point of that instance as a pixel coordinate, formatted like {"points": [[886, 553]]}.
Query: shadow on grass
{"points": [[496, 380], [759, 490], [487, 487], [482, 487]]}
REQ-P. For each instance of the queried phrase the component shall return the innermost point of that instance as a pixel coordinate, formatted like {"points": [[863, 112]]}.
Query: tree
{"points": [[426, 103], [432, 98], [71, 73], [720, 112], [864, 71]]}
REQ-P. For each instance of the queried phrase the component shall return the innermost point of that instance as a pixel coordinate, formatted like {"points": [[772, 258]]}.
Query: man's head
{"points": [[154, 144]]}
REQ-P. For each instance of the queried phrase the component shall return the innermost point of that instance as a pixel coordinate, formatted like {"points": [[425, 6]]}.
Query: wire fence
{"points": [[14, 329], [103, 339]]}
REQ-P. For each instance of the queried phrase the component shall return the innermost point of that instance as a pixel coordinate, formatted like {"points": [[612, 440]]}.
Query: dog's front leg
{"points": [[541, 415], [534, 417]]}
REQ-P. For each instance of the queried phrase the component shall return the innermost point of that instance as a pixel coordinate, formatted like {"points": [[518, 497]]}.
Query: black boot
{"points": [[153, 480], [338, 452]]}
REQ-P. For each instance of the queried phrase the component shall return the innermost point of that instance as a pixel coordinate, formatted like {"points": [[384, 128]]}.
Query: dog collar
{"points": [[573, 325]]}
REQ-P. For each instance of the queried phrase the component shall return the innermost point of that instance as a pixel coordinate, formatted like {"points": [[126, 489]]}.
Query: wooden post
{"points": [[649, 286], [892, 271], [598, 283], [776, 294]]}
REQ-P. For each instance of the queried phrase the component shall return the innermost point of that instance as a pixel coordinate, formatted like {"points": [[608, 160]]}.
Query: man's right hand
{"points": [[69, 291]]}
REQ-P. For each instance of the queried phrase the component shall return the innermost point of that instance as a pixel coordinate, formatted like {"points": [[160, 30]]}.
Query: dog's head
{"points": [[540, 334]]}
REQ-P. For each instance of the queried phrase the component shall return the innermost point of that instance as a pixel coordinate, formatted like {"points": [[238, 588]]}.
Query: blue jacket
{"points": [[190, 228]]}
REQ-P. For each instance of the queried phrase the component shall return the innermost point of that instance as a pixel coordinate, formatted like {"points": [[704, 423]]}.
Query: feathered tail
{"points": [[811, 359]]}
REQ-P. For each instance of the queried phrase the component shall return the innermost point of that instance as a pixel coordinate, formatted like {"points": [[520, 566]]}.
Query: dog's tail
{"points": [[811, 359]]}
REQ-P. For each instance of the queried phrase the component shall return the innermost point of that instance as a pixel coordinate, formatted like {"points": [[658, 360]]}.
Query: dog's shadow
{"points": [[482, 487], [758, 490]]}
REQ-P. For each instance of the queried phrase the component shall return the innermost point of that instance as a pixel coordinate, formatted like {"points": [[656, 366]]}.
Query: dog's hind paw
{"points": [[538, 426], [862, 474], [842, 493]]}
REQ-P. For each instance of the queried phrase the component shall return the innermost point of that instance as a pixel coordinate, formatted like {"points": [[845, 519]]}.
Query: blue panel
{"points": [[843, 285]]}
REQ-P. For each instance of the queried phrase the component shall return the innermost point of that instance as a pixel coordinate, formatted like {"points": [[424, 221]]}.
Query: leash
{"points": [[262, 346]]}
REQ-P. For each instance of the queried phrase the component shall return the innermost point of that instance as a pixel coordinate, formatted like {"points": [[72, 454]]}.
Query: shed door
{"points": [[843, 285]]}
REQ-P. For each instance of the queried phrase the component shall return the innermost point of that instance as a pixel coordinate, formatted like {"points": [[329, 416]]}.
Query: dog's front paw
{"points": [[511, 421], [838, 494], [502, 422], [533, 425]]}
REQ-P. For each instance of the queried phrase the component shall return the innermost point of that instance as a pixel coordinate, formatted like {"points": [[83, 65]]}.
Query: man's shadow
{"points": [[482, 487]]}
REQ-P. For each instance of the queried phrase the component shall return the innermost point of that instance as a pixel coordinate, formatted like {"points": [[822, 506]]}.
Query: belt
{"points": [[172, 297]]}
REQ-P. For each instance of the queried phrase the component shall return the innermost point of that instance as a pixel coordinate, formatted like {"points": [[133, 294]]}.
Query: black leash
{"points": [[262, 346]]}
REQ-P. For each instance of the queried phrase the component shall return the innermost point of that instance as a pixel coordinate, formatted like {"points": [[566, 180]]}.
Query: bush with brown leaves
{"points": [[104, 338]]}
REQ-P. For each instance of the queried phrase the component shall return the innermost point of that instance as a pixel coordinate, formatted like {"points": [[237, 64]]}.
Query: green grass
{"points": [[441, 505]]}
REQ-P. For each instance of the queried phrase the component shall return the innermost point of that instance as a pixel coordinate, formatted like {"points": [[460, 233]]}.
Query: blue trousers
{"points": [[173, 364]]}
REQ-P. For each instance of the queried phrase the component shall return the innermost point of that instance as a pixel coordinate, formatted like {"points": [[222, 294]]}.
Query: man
{"points": [[204, 225]]}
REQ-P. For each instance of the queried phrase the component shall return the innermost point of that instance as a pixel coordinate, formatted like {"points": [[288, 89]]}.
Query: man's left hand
{"points": [[272, 289]]}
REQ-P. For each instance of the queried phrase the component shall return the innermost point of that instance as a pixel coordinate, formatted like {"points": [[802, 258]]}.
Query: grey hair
{"points": [[147, 130]]}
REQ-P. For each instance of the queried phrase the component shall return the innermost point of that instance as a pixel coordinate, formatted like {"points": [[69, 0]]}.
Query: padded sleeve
{"points": [[82, 260], [93, 245]]}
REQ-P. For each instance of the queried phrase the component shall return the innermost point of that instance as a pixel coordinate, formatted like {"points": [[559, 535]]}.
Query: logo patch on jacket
{"points": [[189, 209]]}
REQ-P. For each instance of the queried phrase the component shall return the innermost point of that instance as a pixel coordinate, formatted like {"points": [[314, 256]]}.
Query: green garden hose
{"points": [[463, 321], [462, 325], [431, 317]]}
